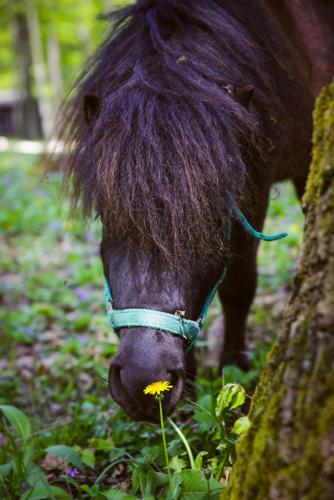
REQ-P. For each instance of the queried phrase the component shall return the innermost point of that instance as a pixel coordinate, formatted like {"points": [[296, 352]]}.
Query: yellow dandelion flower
{"points": [[157, 388]]}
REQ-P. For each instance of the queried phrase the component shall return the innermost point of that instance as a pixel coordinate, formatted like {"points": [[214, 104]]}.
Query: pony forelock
{"points": [[170, 144]]}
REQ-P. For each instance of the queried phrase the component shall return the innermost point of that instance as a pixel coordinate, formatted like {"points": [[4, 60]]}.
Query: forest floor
{"points": [[56, 346]]}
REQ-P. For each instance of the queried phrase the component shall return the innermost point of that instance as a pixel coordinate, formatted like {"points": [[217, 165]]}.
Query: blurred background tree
{"points": [[43, 45]]}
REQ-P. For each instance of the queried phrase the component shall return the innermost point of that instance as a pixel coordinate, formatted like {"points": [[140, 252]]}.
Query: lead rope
{"points": [[256, 234], [249, 228]]}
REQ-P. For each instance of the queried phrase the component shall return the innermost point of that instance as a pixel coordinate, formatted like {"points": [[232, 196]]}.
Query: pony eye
{"points": [[244, 96], [92, 106]]}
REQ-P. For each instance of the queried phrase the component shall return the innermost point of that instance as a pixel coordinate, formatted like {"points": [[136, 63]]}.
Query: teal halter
{"points": [[176, 324]]}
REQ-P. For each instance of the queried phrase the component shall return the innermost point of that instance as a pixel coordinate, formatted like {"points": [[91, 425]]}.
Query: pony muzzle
{"points": [[128, 379]]}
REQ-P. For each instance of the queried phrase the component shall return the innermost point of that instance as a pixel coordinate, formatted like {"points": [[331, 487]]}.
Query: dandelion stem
{"points": [[165, 445], [157, 389]]}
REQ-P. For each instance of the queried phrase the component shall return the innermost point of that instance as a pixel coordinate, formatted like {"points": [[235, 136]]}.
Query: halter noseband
{"points": [[176, 324]]}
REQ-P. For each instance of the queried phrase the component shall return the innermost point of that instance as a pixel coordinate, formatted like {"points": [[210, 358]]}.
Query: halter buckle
{"points": [[181, 315]]}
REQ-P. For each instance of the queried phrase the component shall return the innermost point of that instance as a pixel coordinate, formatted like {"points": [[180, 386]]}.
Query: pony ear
{"points": [[244, 96], [92, 106]]}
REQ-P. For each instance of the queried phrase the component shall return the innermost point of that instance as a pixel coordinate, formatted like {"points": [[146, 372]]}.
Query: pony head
{"points": [[160, 130]]}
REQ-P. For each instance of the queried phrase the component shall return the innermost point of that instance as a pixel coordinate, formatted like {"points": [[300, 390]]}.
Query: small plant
{"points": [[232, 425], [20, 475], [157, 390], [228, 427]]}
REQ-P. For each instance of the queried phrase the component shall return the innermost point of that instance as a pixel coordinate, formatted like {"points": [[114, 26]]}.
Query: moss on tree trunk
{"points": [[288, 452]]}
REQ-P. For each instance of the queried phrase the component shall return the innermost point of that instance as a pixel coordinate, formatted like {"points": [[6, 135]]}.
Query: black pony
{"points": [[189, 106]]}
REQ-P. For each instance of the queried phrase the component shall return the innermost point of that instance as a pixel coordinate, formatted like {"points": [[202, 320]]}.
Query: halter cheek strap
{"points": [[176, 324]]}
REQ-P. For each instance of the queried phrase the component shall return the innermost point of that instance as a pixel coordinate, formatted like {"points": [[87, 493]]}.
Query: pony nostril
{"points": [[177, 372], [114, 376], [116, 388], [175, 375], [114, 372]]}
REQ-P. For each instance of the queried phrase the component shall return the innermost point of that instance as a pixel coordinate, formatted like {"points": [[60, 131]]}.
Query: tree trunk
{"points": [[288, 453], [39, 68], [54, 65], [29, 123]]}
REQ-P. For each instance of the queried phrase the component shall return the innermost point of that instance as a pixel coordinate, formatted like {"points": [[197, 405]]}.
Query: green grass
{"points": [[56, 347]]}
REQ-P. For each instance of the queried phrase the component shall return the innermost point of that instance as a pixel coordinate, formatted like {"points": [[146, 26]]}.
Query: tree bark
{"points": [[288, 453]]}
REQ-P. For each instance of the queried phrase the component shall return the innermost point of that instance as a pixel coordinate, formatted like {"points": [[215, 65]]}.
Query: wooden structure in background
{"points": [[19, 116]]}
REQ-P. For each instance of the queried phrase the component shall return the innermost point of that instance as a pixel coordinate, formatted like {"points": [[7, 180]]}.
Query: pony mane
{"points": [[170, 145]]}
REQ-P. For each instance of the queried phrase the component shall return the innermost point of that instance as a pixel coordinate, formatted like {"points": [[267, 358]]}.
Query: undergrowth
{"points": [[61, 435]]}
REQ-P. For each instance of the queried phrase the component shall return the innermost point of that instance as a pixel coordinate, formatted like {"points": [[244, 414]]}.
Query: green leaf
{"points": [[199, 460], [60, 493], [86, 488], [88, 458], [6, 468], [18, 420], [203, 414], [230, 397], [114, 494], [67, 452], [184, 441], [177, 464], [101, 444], [176, 483], [241, 425], [35, 475], [28, 453], [44, 491], [136, 479], [232, 456], [196, 486], [155, 479], [147, 480]]}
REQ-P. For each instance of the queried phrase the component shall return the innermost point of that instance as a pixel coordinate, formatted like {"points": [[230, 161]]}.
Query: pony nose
{"points": [[127, 384]]}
